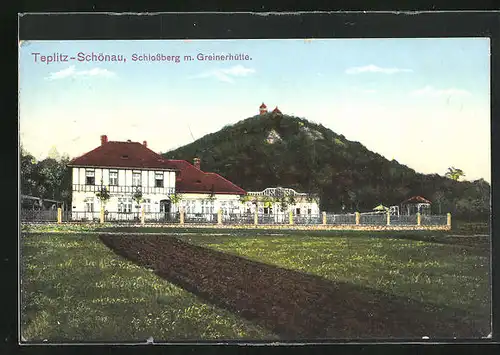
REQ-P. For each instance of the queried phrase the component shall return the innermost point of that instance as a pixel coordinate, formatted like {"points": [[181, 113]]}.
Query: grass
{"points": [[441, 274], [75, 289]]}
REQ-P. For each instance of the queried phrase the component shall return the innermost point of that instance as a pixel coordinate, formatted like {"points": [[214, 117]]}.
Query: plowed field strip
{"points": [[292, 304]]}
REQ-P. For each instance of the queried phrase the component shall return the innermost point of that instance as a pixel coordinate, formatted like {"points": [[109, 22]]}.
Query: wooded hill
{"points": [[309, 157]]}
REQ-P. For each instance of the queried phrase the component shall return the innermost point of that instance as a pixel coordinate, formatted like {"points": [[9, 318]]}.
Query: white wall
{"points": [[128, 178], [105, 177], [98, 175], [75, 175], [121, 177], [150, 178], [82, 176]]}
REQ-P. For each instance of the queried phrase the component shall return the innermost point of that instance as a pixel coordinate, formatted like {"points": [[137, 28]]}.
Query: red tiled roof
{"points": [[192, 180], [416, 199], [263, 106], [276, 110], [189, 179], [121, 155]]}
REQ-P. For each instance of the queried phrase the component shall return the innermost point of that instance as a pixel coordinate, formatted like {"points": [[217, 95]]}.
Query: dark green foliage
{"points": [[342, 172], [49, 178]]}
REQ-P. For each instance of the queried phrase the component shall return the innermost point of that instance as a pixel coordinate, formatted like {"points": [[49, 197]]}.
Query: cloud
{"points": [[375, 69], [72, 72], [431, 91], [226, 75]]}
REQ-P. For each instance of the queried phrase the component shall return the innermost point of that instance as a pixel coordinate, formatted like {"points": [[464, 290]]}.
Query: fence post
{"points": [[219, 216], [256, 216], [388, 218], [181, 215], [419, 219], [448, 220], [290, 217], [357, 218], [324, 217], [101, 215], [142, 215], [59, 215]]}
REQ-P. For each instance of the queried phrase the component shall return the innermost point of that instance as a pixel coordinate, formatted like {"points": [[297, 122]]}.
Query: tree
{"points": [[282, 202], [245, 198], [439, 198], [211, 196], [353, 199], [53, 153], [29, 176], [175, 198], [103, 195], [454, 173], [137, 197]]}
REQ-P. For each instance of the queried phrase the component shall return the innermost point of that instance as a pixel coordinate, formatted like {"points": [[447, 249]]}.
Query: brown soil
{"points": [[292, 304]]}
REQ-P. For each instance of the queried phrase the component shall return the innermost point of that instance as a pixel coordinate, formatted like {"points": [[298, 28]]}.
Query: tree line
{"points": [[49, 178]]}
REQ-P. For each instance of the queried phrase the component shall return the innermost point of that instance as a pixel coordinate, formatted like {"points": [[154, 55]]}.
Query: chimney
{"points": [[144, 143], [104, 139], [196, 162], [129, 141]]}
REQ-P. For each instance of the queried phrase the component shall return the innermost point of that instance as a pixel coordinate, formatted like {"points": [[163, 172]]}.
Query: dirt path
{"points": [[292, 304]]}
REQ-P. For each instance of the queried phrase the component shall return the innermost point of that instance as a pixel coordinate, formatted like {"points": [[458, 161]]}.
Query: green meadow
{"points": [[75, 289], [444, 274]]}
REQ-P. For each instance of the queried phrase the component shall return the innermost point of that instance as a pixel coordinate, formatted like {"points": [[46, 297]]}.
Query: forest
{"points": [[311, 158]]}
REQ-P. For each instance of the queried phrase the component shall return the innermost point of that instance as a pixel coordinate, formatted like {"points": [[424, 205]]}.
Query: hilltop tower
{"points": [[277, 111], [263, 109]]}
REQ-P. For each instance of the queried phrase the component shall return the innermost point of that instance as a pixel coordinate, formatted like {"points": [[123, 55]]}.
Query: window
{"points": [[90, 177], [159, 179], [147, 205], [124, 205], [113, 177], [89, 205], [308, 211], [297, 211], [136, 179]]}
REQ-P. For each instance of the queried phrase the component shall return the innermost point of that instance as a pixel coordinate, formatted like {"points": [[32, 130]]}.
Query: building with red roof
{"points": [[166, 185], [263, 109], [277, 111]]}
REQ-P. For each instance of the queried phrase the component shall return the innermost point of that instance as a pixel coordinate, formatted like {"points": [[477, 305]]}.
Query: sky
{"points": [[423, 102]]}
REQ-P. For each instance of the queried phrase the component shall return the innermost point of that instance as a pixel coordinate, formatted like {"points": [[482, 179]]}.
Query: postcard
{"points": [[254, 190]]}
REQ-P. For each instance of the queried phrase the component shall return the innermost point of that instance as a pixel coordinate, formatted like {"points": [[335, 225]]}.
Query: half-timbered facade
{"points": [[125, 168]]}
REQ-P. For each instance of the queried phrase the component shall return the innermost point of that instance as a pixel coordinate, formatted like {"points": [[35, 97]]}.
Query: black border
{"points": [[284, 25]]}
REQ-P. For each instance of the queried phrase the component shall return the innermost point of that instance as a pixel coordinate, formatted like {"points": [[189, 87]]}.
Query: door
{"points": [[165, 206]]}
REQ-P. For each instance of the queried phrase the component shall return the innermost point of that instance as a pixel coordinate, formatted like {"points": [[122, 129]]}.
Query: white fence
{"points": [[368, 219]]}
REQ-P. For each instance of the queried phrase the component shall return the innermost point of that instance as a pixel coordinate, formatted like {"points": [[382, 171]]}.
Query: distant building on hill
{"points": [[277, 111], [263, 109]]}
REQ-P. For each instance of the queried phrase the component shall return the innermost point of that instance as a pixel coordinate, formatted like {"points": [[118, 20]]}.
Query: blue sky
{"points": [[424, 102]]}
